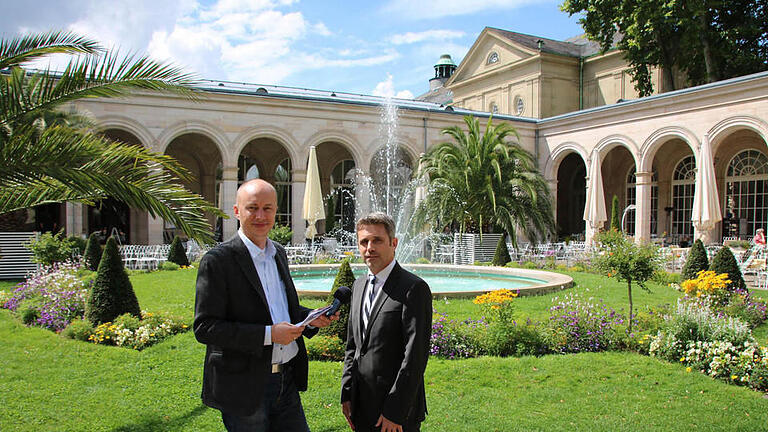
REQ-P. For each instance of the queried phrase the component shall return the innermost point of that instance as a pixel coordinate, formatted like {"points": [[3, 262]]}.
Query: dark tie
{"points": [[368, 301]]}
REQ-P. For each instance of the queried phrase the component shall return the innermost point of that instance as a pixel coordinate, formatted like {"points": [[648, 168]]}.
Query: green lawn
{"points": [[51, 383]]}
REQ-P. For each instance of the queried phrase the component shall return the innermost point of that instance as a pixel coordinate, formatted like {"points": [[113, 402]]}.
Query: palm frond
{"points": [[18, 50]]}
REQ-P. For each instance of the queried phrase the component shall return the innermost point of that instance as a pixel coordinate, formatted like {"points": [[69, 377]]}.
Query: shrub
{"points": [[710, 285], [743, 306], [515, 339], [615, 218], [693, 320], [497, 304], [280, 234], [128, 331], [501, 256], [51, 297], [52, 248], [344, 277], [696, 261], [578, 325], [745, 364], [169, 266], [725, 262], [662, 277], [177, 254], [449, 341], [92, 252], [78, 329], [738, 244], [323, 347], [422, 260], [112, 293]]}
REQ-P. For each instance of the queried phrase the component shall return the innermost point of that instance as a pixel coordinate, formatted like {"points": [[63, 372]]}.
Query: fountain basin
{"points": [[445, 280]]}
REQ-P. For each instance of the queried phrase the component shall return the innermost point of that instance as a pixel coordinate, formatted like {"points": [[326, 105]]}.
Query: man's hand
{"points": [[285, 333], [346, 408], [324, 321], [388, 425]]}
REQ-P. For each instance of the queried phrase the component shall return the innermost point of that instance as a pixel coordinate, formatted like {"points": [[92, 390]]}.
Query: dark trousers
{"points": [[280, 410]]}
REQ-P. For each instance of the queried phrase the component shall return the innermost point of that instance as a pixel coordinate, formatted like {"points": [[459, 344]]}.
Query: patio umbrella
{"points": [[594, 210], [313, 209], [706, 206]]}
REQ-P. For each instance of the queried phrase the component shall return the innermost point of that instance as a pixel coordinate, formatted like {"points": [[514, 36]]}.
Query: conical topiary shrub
{"points": [[346, 278], [725, 262], [501, 257], [112, 293], [615, 218], [177, 254], [92, 252], [696, 261]]}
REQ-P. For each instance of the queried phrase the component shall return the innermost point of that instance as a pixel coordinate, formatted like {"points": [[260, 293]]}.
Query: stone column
{"points": [[154, 230], [643, 207], [552, 183], [228, 199], [74, 219], [298, 224]]}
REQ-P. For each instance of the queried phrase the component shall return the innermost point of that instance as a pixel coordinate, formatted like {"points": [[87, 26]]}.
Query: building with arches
{"points": [[648, 147]]}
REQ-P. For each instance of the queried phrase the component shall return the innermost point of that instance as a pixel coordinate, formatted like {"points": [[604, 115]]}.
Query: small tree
{"points": [[501, 257], [177, 254], [615, 218], [112, 293], [620, 257], [93, 252], [52, 248], [344, 277], [725, 262], [281, 234], [696, 261]]}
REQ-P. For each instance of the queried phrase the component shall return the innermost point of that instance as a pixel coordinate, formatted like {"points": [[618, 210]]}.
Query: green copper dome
{"points": [[445, 60]]}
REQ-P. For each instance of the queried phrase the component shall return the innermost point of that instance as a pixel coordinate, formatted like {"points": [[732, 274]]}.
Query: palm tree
{"points": [[479, 180], [45, 158]]}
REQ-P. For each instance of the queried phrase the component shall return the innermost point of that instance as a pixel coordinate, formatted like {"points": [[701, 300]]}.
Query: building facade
{"points": [[569, 103]]}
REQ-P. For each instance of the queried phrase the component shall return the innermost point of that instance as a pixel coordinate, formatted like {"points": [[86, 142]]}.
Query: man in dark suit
{"points": [[255, 359], [390, 322]]}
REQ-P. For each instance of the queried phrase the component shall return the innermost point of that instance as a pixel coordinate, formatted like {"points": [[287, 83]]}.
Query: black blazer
{"points": [[231, 313], [384, 369]]}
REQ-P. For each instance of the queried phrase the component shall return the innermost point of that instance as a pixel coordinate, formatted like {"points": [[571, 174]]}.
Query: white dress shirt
{"points": [[274, 290], [381, 279]]}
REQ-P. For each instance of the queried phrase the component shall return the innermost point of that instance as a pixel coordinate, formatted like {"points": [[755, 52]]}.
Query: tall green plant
{"points": [[93, 252], [177, 254], [501, 256], [619, 256], [344, 277], [725, 262], [51, 248], [479, 179], [615, 218], [45, 159], [695, 262], [330, 212], [112, 293]]}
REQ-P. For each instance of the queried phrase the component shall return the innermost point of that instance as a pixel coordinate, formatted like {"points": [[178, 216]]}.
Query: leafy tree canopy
{"points": [[705, 40]]}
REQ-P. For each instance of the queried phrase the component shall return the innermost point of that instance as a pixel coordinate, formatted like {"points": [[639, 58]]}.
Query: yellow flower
{"points": [[734, 377], [688, 369], [682, 359]]}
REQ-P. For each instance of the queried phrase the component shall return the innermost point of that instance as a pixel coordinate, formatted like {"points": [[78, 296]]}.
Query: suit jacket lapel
{"points": [[246, 263]]}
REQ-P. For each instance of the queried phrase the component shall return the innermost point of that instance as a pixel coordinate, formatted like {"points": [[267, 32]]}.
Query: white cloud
{"points": [[431, 9], [438, 35], [386, 89]]}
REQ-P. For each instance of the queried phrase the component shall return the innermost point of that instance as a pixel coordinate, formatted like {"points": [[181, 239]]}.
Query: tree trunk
{"points": [[709, 60], [631, 314], [667, 68]]}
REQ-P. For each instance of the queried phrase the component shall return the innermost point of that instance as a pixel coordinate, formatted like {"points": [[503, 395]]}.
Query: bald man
{"points": [[255, 360]]}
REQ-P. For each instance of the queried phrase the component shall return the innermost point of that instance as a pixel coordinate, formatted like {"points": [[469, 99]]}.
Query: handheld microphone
{"points": [[341, 296]]}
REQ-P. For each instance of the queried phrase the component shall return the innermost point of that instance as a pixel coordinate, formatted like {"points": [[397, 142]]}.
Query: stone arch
{"points": [[129, 125], [722, 129], [282, 136], [658, 138], [377, 144], [186, 127], [349, 143], [557, 155], [605, 145]]}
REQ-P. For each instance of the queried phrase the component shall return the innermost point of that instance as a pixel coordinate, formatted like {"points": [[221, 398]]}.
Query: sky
{"points": [[382, 48]]}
